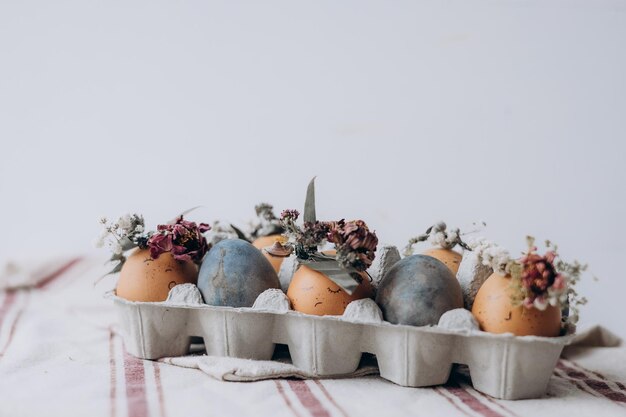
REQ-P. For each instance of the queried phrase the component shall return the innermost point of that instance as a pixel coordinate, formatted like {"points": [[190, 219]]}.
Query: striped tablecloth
{"points": [[60, 357]]}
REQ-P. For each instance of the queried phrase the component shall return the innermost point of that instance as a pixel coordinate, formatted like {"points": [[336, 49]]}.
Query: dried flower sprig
{"points": [[537, 280], [492, 255], [220, 231], [125, 233], [548, 280], [180, 237], [183, 239], [438, 235], [267, 223], [354, 243]]}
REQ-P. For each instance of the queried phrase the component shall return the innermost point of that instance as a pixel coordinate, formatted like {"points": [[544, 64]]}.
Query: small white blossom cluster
{"points": [[437, 235], [265, 224], [220, 232], [491, 255], [445, 239], [118, 235], [554, 297]]}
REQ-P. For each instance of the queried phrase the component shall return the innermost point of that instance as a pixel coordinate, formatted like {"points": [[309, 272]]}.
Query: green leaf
{"points": [[184, 213], [127, 244], [309, 203], [117, 257], [241, 235], [116, 269], [330, 267]]}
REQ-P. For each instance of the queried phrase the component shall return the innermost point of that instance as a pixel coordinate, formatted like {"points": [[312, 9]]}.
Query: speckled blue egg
{"points": [[234, 273], [417, 290]]}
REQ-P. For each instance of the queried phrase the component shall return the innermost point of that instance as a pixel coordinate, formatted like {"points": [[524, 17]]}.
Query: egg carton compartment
{"points": [[501, 365]]}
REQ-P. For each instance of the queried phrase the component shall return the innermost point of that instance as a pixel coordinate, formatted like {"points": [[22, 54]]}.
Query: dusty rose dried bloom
{"points": [[355, 244], [183, 239], [313, 234], [289, 215], [538, 276]]}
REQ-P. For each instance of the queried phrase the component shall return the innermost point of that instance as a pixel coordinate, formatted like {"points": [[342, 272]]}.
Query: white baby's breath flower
{"points": [[491, 255], [437, 239], [453, 236], [139, 228], [116, 248], [540, 303], [439, 227], [220, 232], [101, 239], [553, 300], [125, 222]]}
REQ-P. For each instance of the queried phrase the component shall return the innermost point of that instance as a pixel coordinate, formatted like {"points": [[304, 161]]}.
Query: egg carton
{"points": [[501, 365]]}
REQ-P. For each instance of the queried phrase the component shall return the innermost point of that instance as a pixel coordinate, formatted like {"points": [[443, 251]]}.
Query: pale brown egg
{"points": [[145, 279], [312, 292], [451, 258], [267, 241], [496, 314]]}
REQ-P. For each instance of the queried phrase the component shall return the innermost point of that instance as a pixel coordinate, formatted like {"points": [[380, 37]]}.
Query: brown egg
{"points": [[451, 258], [266, 241], [312, 292], [145, 279], [496, 314]]}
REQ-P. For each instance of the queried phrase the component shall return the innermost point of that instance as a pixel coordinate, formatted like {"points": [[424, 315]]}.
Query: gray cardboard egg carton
{"points": [[503, 366]]}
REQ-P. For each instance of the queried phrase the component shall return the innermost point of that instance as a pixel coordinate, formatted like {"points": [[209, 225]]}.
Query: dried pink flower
{"points": [[538, 275], [289, 215], [355, 244], [183, 239]]}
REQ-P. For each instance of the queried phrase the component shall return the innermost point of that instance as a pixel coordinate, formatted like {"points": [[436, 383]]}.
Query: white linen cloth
{"points": [[246, 370], [60, 357]]}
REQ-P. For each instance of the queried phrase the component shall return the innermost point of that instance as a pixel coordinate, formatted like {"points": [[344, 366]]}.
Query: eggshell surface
{"points": [[312, 292], [234, 273], [450, 258], [495, 312], [145, 279], [417, 290]]}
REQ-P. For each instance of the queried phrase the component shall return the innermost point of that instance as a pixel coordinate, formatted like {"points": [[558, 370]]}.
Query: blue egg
{"points": [[234, 273], [417, 290]]}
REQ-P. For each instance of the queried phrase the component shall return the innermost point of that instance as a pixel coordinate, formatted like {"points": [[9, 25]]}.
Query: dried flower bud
{"points": [[355, 244], [289, 215], [183, 239]]}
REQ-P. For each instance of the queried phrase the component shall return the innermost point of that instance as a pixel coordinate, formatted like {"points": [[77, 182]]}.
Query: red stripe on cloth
{"points": [[7, 303], [597, 385], [112, 375], [330, 397], [15, 321], [469, 400], [281, 391], [48, 279], [467, 384], [561, 374], [441, 392], [597, 374], [134, 374], [159, 387], [307, 398]]}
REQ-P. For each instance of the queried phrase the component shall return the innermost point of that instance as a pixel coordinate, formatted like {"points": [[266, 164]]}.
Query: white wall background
{"points": [[512, 112]]}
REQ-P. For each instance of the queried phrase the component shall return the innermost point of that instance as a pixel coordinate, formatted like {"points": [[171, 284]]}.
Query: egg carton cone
{"points": [[501, 365]]}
